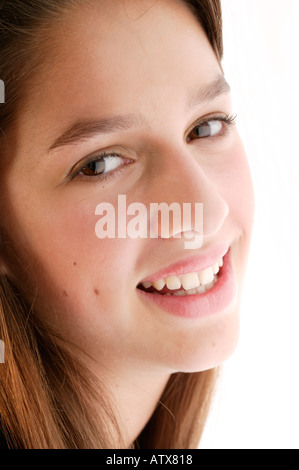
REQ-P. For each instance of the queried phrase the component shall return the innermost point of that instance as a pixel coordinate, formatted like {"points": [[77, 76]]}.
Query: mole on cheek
{"points": [[96, 292], [65, 293]]}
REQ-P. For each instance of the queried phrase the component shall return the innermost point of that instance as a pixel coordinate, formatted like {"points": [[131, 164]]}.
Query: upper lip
{"points": [[191, 264]]}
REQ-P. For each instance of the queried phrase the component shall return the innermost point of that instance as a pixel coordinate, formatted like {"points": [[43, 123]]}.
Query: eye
{"points": [[103, 167], [213, 127], [101, 164]]}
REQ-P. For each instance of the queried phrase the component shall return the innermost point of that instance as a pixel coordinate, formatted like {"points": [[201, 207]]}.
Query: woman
{"points": [[115, 342]]}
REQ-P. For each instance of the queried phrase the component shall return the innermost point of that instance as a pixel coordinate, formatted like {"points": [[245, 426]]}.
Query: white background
{"points": [[257, 402]]}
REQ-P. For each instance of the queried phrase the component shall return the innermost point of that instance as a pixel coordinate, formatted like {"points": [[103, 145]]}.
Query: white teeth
{"points": [[201, 289], [190, 281], [209, 286], [173, 282], [146, 284], [159, 284], [206, 276], [186, 292], [191, 292], [198, 290], [180, 292], [215, 268]]}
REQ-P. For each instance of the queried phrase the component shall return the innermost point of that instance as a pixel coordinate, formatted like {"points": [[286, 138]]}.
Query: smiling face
{"points": [[145, 93]]}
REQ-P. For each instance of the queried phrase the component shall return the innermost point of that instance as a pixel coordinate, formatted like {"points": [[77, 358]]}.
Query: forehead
{"points": [[118, 56]]}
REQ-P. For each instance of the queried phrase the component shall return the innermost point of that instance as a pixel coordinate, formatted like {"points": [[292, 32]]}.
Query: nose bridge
{"points": [[182, 180]]}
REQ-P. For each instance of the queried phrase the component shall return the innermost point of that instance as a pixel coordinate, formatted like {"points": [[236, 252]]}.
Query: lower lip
{"points": [[217, 299]]}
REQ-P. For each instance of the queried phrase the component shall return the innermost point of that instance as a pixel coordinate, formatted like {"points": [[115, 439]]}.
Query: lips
{"points": [[196, 264], [190, 283], [194, 303]]}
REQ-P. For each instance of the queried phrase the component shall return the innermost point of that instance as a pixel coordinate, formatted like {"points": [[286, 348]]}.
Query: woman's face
{"points": [[139, 85]]}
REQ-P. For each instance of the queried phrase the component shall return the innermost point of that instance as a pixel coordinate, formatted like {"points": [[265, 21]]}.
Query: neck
{"points": [[134, 394], [136, 397]]}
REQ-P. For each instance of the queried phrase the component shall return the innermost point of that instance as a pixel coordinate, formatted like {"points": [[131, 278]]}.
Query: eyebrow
{"points": [[208, 92], [82, 130]]}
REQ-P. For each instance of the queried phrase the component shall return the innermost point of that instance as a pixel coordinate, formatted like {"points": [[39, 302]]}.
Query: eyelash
{"points": [[103, 176], [228, 120]]}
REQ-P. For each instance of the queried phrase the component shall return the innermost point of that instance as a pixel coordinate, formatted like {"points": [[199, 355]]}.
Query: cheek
{"points": [[82, 254], [237, 189], [72, 267]]}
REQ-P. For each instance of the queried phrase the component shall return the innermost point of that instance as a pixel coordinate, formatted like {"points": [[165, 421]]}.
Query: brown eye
{"points": [[93, 168], [101, 165], [206, 129]]}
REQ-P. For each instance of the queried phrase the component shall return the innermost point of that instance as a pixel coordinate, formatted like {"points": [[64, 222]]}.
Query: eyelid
{"points": [[229, 119], [75, 171]]}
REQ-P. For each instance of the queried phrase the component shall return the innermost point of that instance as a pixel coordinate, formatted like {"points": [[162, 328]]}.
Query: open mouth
{"points": [[185, 284]]}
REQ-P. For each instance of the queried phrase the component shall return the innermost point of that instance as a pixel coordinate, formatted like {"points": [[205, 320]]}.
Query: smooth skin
{"points": [[106, 59]]}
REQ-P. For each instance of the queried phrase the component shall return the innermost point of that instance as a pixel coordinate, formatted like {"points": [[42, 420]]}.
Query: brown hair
{"points": [[46, 398]]}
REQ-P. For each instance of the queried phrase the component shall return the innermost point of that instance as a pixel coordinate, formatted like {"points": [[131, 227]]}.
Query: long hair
{"points": [[46, 396]]}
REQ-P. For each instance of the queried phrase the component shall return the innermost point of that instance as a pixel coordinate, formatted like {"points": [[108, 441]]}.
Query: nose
{"points": [[181, 179]]}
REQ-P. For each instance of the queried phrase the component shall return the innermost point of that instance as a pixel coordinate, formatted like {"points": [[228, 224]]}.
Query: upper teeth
{"points": [[187, 281]]}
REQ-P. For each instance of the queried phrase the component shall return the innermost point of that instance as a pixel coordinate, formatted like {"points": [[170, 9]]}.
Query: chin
{"points": [[214, 345]]}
